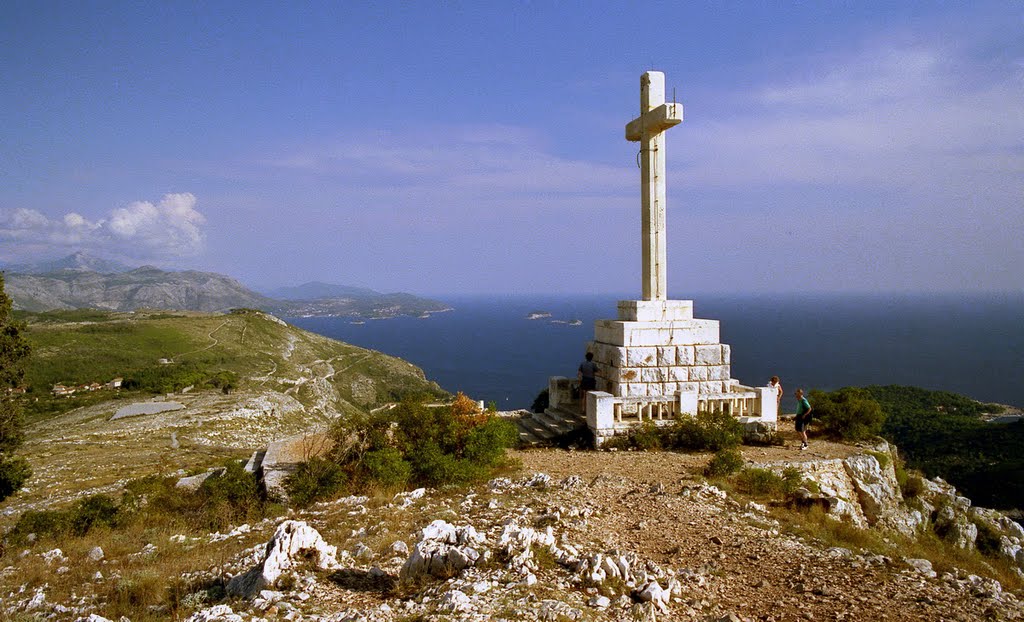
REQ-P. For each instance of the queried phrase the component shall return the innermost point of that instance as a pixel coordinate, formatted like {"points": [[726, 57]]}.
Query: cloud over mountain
{"points": [[142, 229]]}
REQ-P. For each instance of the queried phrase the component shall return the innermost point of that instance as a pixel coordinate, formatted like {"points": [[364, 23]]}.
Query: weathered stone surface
{"points": [[219, 613], [443, 551], [293, 542], [877, 489]]}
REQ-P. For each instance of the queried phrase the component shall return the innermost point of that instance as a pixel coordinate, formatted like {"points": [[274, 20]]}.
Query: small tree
{"points": [[849, 413], [14, 351]]}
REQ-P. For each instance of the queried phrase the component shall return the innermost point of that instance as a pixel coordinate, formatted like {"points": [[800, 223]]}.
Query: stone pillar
{"points": [[601, 415]]}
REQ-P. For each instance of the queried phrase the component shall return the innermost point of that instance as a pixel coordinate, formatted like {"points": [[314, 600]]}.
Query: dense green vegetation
{"points": [[706, 431], [411, 445], [938, 433], [849, 413], [941, 434], [14, 353]]}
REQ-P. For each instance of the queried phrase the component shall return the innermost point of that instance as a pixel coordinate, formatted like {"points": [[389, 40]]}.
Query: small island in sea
{"points": [[538, 315]]}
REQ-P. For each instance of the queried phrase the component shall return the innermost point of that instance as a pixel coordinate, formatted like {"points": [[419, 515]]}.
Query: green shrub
{"points": [[14, 472], [415, 444], [315, 480], [724, 462], [707, 430], [232, 497], [77, 520], [650, 437], [913, 486], [768, 484], [388, 467], [848, 414]]}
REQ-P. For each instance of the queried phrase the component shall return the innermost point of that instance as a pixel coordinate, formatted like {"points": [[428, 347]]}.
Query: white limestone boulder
{"points": [[443, 551], [876, 487], [293, 543]]}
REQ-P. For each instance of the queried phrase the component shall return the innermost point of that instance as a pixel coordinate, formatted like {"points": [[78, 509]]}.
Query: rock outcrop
{"points": [[292, 544]]}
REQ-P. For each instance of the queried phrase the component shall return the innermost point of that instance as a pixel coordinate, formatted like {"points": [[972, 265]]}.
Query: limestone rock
{"points": [[877, 489], [654, 593], [444, 550], [292, 543], [922, 566], [455, 602], [219, 613]]}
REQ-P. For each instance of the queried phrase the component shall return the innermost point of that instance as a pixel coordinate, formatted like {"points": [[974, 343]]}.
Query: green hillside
{"points": [[160, 352]]}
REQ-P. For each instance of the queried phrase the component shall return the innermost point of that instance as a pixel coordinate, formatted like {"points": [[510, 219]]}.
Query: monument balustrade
{"points": [[608, 415]]}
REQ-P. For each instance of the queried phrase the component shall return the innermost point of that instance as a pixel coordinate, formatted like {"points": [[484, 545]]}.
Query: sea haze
{"points": [[486, 348]]}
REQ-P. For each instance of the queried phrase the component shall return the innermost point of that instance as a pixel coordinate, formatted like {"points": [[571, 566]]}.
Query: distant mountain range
{"points": [[82, 281], [79, 261]]}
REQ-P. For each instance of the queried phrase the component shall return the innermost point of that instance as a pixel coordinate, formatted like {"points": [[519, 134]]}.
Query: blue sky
{"points": [[479, 148]]}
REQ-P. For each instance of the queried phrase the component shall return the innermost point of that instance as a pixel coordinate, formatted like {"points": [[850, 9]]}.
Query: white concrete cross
{"points": [[655, 117]]}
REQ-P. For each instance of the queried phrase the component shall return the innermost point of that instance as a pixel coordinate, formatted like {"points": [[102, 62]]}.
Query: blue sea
{"points": [[486, 348]]}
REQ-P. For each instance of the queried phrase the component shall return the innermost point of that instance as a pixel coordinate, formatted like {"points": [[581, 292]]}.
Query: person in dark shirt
{"points": [[803, 415]]}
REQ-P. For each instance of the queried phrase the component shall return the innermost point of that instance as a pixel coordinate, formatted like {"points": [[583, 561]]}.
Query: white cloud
{"points": [[167, 229], [892, 117]]}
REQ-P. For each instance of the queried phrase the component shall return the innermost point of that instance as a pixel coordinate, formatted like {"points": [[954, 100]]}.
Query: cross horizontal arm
{"points": [[654, 121]]}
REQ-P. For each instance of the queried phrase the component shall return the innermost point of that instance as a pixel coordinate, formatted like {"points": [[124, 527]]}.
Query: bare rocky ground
{"points": [[541, 547]]}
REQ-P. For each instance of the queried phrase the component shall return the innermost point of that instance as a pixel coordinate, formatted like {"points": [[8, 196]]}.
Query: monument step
{"points": [[560, 421], [567, 414], [533, 434]]}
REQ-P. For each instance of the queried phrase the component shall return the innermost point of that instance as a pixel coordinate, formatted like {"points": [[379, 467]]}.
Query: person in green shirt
{"points": [[803, 415]]}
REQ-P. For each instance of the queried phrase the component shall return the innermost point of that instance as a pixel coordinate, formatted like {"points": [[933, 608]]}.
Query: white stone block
{"points": [[688, 401], [684, 332], [709, 355], [655, 310], [689, 387], [628, 374], [679, 374], [608, 355], [654, 389], [684, 355], [699, 373], [666, 356], [718, 372], [641, 357], [634, 389], [652, 374], [600, 411], [726, 354], [768, 403], [711, 387]]}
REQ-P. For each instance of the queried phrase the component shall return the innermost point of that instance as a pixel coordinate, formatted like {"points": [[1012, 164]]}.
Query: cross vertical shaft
{"points": [[655, 117]]}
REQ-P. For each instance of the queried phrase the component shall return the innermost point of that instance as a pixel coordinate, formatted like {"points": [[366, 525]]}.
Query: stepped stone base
{"points": [[656, 348]]}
